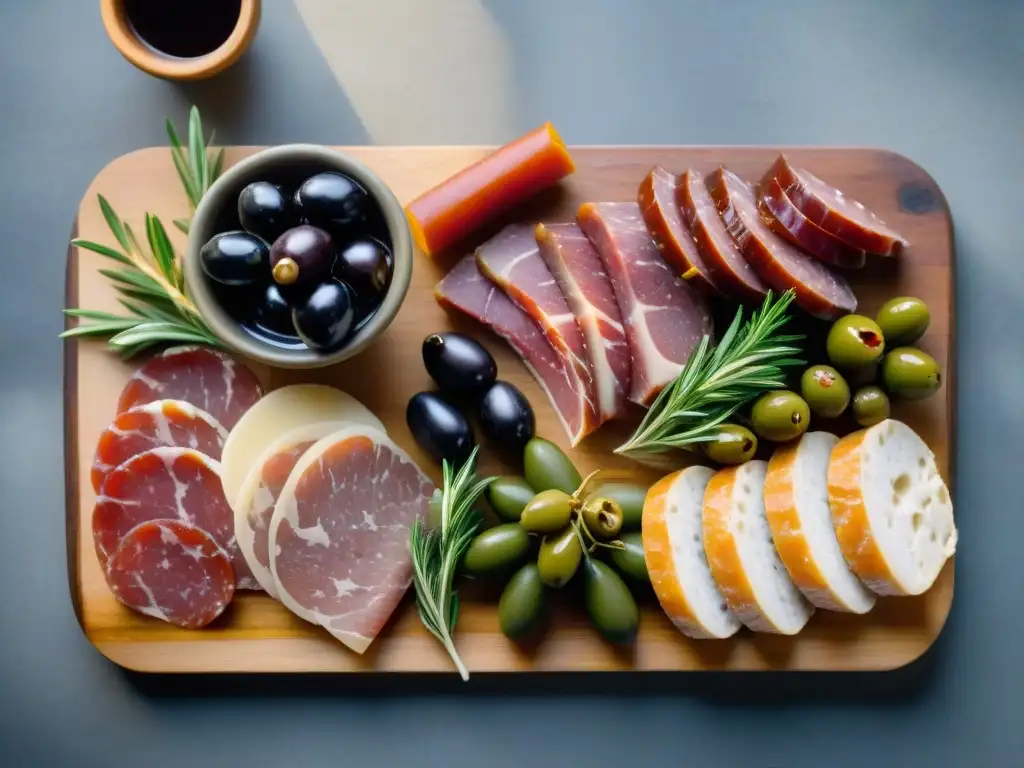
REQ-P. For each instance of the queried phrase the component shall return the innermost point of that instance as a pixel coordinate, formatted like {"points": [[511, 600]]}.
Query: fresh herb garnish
{"points": [[436, 553], [152, 285], [718, 380]]}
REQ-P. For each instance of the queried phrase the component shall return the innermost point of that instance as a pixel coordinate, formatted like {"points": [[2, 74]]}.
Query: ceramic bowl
{"points": [[288, 165]]}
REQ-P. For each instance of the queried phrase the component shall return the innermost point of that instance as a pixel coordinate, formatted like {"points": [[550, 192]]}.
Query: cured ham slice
{"points": [[577, 268], [466, 289], [172, 571], [167, 484], [204, 377], [820, 291], [658, 204], [166, 423], [512, 261], [832, 211], [664, 318], [340, 533]]}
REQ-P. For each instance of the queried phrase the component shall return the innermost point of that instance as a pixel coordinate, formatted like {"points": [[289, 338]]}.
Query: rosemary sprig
{"points": [[717, 381], [436, 553], [196, 169]]}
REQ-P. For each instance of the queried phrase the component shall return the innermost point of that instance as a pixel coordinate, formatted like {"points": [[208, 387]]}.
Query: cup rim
{"points": [[226, 328], [149, 60]]}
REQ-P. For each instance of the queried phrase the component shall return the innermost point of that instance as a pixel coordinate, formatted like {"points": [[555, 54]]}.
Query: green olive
{"points": [[546, 467], [854, 341], [630, 498], [630, 560], [903, 320], [609, 602], [434, 510], [548, 512], [870, 406], [508, 495], [780, 416], [910, 373], [521, 607], [502, 547], [733, 444], [825, 391], [602, 516], [559, 557]]}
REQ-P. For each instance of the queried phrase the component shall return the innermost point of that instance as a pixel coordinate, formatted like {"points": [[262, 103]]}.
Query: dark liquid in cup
{"points": [[183, 28]]}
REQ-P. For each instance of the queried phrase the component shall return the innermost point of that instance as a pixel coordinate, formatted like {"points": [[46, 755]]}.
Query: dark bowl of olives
{"points": [[299, 256]]}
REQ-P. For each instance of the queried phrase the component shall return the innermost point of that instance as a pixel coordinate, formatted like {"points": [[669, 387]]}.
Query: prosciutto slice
{"points": [[578, 270], [466, 289], [664, 317]]}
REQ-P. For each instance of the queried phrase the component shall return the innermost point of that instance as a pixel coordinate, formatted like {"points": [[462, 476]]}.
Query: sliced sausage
{"points": [[835, 213], [786, 220], [664, 220], [730, 269], [819, 290]]}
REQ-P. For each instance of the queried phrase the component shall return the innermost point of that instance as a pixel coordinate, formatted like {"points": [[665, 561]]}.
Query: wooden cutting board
{"points": [[256, 634]]}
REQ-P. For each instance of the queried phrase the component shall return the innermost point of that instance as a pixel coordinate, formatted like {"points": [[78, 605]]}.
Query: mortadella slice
{"points": [[835, 213], [664, 317], [730, 268], [512, 261], [466, 289], [819, 290], [578, 269]]}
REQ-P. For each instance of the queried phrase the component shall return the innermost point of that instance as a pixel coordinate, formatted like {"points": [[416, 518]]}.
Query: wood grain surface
{"points": [[257, 634]]}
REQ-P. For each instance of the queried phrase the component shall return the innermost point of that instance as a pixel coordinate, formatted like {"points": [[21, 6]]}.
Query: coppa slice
{"points": [[340, 533], [204, 377], [742, 557], [673, 537], [577, 268], [730, 269], [658, 204], [796, 503], [160, 423], [835, 213], [466, 289], [254, 503], [511, 260], [166, 484], [819, 290], [891, 509], [664, 318], [172, 571]]}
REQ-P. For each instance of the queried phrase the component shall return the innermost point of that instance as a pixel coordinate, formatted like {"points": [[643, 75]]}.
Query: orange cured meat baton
{"points": [[474, 196]]}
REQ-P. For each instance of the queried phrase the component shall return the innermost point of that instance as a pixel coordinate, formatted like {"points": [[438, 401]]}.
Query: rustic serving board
{"points": [[256, 634]]}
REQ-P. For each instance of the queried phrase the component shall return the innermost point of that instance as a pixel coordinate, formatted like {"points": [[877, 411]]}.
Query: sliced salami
{"points": [[819, 290], [162, 423], [664, 220], [204, 377], [730, 269], [167, 484], [339, 538], [172, 571], [835, 213]]}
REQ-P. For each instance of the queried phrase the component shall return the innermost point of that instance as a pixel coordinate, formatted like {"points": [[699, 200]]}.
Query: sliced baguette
{"points": [[796, 504], [892, 511], [742, 555], [673, 539]]}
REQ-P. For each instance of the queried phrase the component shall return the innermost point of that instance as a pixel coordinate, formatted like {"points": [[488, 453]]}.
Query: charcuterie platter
{"points": [[256, 633]]}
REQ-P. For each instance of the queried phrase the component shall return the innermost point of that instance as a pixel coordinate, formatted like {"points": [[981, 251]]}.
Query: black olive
{"points": [[302, 256], [440, 429], [364, 264], [264, 210], [506, 417], [273, 312], [460, 365], [235, 258], [324, 320], [335, 202]]}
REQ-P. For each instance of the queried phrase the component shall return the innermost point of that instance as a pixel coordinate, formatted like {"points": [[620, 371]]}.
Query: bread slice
{"points": [[891, 509], [742, 555], [796, 504], [673, 540]]}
